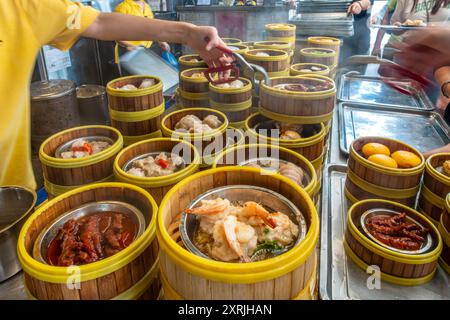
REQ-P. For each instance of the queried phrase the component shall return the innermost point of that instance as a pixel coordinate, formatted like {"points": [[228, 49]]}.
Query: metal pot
{"points": [[16, 204]]}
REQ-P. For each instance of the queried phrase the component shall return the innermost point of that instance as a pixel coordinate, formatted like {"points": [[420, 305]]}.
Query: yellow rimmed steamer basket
{"points": [[206, 143], [185, 62], [281, 32], [238, 154], [157, 186], [232, 41], [398, 268], [328, 58], [238, 48], [367, 180], [136, 113], [435, 187], [327, 43], [235, 103], [187, 276], [276, 64], [296, 69], [312, 148], [194, 92], [129, 274], [294, 106], [62, 175], [444, 230]]}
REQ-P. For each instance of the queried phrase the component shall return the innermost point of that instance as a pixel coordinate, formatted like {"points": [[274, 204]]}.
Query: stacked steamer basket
{"points": [[131, 273], [275, 62], [185, 275], [235, 102], [300, 69], [400, 262], [281, 32], [64, 174], [191, 61], [208, 143], [238, 48], [444, 229], [194, 88], [157, 186], [272, 158], [375, 180], [136, 113], [319, 55], [232, 41], [327, 43], [435, 187]]}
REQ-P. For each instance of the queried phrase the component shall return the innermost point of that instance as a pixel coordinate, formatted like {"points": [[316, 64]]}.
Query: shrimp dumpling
{"points": [[212, 121], [188, 122]]}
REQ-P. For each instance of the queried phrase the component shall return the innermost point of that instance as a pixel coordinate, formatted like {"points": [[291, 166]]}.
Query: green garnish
{"points": [[266, 231], [269, 245]]}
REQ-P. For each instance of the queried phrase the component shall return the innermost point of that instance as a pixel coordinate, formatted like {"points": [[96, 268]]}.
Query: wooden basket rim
{"points": [[312, 76], [186, 78], [280, 26], [280, 55], [247, 87], [318, 40], [134, 93], [331, 52], [432, 170]]}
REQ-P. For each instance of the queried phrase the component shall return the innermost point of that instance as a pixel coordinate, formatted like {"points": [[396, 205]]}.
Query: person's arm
{"points": [[380, 34], [115, 26]]}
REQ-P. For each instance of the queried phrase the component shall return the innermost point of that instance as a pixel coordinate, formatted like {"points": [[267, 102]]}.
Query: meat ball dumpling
{"points": [[212, 121], [187, 122], [147, 83], [128, 87]]}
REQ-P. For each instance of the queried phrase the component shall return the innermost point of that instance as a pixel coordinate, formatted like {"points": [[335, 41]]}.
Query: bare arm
{"points": [[121, 27]]}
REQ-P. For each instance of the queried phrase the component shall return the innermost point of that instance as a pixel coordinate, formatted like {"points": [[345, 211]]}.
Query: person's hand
{"points": [[444, 149], [354, 8], [164, 46], [441, 103], [204, 40]]}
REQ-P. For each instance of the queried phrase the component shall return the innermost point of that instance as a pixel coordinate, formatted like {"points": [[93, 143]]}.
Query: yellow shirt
{"points": [[133, 8], [25, 26]]}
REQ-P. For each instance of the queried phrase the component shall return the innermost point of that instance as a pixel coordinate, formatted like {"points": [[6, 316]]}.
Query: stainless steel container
{"points": [[92, 104], [16, 204]]}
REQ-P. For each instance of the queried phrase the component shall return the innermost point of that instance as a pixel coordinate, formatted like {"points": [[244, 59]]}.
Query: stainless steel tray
{"points": [[354, 87], [424, 130], [340, 278]]}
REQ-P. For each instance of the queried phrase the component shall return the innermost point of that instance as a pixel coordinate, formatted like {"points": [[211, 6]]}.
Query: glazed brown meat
{"points": [[396, 232], [90, 239]]}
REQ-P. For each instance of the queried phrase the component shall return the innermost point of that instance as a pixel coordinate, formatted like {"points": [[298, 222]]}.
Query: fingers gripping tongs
{"points": [[390, 71], [249, 70]]}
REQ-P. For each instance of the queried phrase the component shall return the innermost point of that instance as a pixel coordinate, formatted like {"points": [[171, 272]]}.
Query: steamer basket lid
{"points": [[87, 91], [51, 89]]}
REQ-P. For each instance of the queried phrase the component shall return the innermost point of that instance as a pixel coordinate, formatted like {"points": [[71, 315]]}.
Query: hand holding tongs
{"points": [[389, 70], [249, 70]]}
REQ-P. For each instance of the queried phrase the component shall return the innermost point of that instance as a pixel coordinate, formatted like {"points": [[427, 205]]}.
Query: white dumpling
{"points": [[262, 54], [212, 121], [128, 87], [138, 172], [201, 128], [236, 84], [188, 122], [223, 85], [147, 83]]}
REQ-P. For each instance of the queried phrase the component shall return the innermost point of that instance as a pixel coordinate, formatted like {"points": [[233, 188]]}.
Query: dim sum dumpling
{"points": [[128, 87], [212, 121], [188, 122], [147, 83]]}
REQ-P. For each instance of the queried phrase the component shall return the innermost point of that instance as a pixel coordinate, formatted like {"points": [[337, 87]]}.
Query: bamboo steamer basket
{"points": [[62, 175], [231, 41], [185, 62], [327, 43], [397, 268], [446, 214], [101, 280], [248, 44], [194, 92], [200, 140], [311, 147], [196, 278], [281, 32], [235, 155], [136, 113], [238, 48], [279, 45], [297, 107], [367, 180], [328, 59], [276, 64], [431, 205], [236, 104], [157, 186], [444, 260], [295, 69]]}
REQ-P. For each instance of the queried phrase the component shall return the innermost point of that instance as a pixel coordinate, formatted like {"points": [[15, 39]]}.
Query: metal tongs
{"points": [[249, 70], [390, 71]]}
